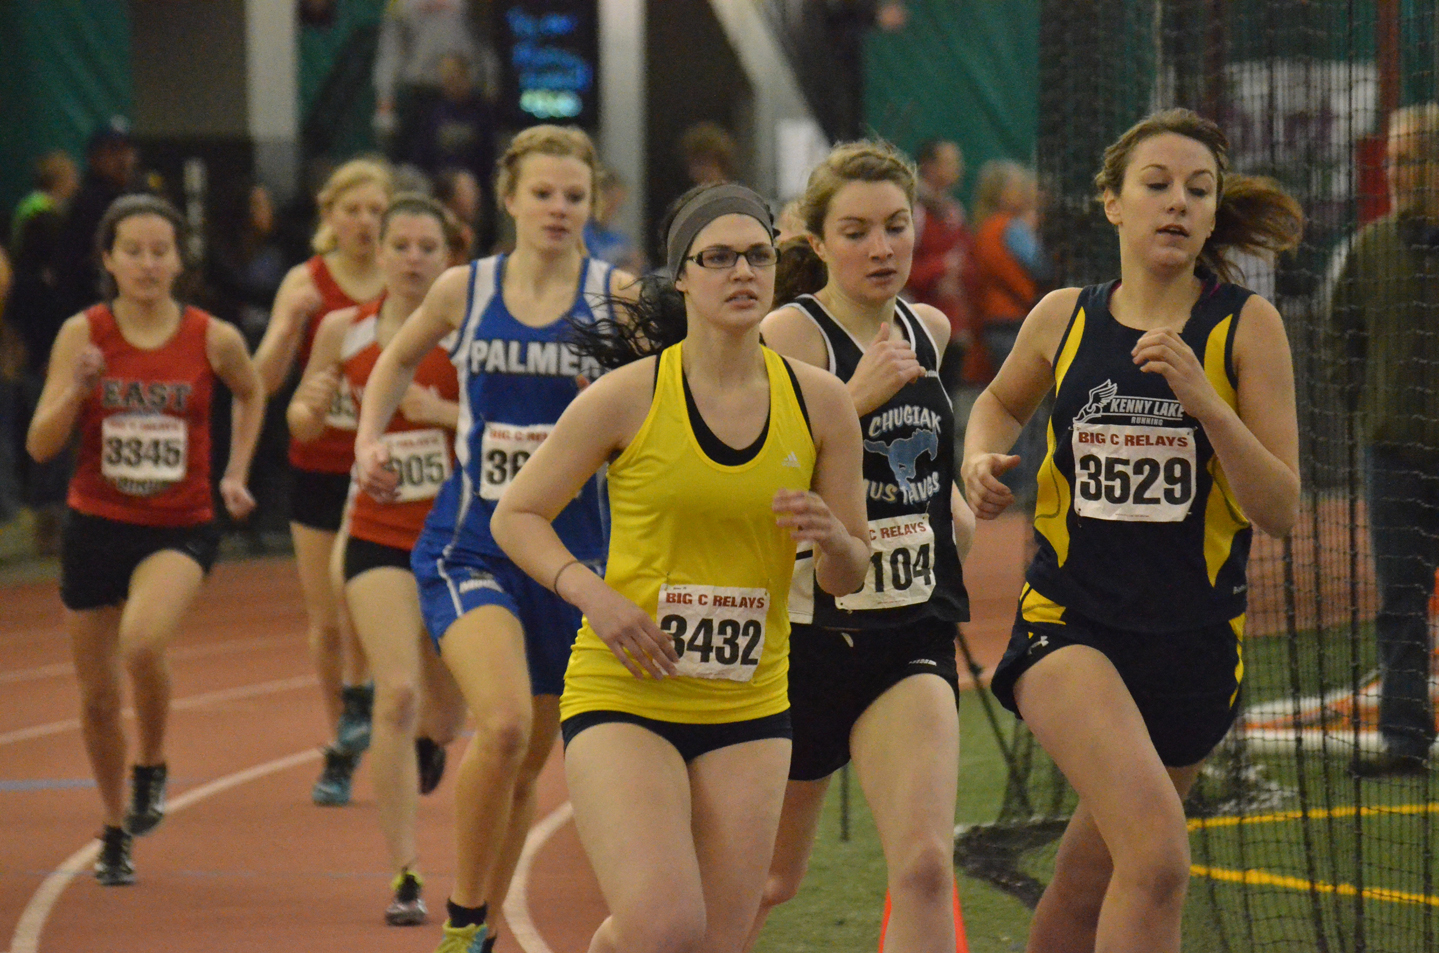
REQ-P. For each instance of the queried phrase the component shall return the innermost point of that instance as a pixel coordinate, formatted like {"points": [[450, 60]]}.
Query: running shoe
{"points": [[333, 788], [407, 909], [353, 732], [431, 759], [113, 867], [147, 799], [470, 939]]}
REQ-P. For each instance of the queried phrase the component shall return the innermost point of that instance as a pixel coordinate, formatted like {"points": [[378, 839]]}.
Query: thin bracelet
{"points": [[555, 585]]}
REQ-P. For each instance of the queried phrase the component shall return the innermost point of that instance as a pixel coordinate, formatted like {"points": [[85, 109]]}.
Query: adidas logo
{"points": [[791, 460]]}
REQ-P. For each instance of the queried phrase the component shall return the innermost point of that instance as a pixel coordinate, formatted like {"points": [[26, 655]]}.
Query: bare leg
{"points": [[544, 730], [387, 609], [95, 647], [911, 791], [1105, 753], [798, 821], [631, 795], [737, 793], [161, 590], [485, 650], [354, 665], [313, 548]]}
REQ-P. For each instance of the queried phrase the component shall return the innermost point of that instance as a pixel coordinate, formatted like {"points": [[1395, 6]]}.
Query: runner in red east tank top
{"points": [[144, 453], [334, 450], [134, 376], [342, 273], [417, 708]]}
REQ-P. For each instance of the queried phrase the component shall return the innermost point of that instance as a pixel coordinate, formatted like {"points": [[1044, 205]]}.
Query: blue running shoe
{"points": [[352, 734], [333, 788]]}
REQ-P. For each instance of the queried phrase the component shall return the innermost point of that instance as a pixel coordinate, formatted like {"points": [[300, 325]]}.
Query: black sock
{"points": [[461, 917]]}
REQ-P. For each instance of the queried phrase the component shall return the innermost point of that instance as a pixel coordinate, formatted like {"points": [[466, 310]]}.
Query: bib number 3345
{"points": [[1143, 474], [718, 631]]}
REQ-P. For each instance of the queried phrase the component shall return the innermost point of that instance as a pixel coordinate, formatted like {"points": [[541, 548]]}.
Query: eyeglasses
{"points": [[721, 257]]}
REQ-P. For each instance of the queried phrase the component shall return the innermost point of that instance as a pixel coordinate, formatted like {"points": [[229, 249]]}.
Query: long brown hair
{"points": [[1254, 213]]}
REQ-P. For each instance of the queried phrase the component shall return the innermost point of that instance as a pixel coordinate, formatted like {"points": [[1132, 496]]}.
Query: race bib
{"points": [[422, 461], [143, 453], [718, 631], [901, 565], [504, 449], [1142, 474], [344, 413]]}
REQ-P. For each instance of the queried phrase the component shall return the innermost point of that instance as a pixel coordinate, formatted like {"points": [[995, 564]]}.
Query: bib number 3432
{"points": [[1143, 474], [718, 631]]}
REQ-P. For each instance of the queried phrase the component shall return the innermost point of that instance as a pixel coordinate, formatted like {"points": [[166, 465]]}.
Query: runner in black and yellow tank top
{"points": [[723, 458], [1173, 430], [878, 664]]}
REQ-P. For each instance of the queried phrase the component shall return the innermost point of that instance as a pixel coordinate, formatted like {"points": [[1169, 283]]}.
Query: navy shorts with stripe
{"points": [[459, 582]]}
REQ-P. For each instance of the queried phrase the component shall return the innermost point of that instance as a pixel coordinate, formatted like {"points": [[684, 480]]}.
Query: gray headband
{"points": [[694, 215]]}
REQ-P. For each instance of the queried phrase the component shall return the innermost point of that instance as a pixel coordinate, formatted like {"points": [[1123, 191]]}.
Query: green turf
{"points": [[840, 904]]}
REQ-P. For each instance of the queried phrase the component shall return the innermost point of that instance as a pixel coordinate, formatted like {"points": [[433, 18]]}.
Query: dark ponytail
{"points": [[799, 272], [638, 330]]}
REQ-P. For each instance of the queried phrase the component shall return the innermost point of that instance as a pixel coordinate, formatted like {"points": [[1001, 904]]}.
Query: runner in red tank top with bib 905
{"points": [[342, 274], [134, 377], [418, 708]]}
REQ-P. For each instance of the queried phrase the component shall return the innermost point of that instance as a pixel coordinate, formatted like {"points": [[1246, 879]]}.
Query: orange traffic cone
{"points": [[961, 944]]}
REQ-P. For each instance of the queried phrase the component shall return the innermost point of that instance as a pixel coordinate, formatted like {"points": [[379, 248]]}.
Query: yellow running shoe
{"points": [[470, 939]]}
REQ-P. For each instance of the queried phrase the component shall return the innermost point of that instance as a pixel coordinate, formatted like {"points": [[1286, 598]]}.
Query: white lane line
{"points": [[517, 904], [180, 652], [26, 938], [192, 701]]}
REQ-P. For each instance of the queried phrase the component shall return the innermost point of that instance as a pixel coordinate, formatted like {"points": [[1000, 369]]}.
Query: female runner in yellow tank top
{"points": [[722, 456]]}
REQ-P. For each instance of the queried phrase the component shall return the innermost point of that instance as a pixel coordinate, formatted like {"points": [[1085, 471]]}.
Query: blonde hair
{"points": [[562, 141], [1418, 120], [867, 160], [1254, 213], [995, 179], [356, 172]]}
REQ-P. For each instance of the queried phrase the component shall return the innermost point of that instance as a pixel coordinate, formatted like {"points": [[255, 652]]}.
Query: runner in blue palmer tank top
{"points": [[505, 637]]}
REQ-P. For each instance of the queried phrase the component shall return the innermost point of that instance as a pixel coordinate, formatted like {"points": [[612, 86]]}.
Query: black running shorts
{"points": [[835, 676], [99, 555]]}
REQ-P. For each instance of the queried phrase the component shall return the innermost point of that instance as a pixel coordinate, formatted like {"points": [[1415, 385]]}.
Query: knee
{"points": [[679, 929], [100, 703], [504, 735], [1158, 869], [397, 706], [925, 873], [783, 882]]}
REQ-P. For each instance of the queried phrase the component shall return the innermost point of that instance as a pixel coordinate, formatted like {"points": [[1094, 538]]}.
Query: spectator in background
{"points": [[941, 250], [111, 163], [1384, 306], [602, 241], [459, 191], [12, 360], [457, 131], [37, 308], [415, 38], [1008, 262], [244, 270], [56, 181], [709, 153]]}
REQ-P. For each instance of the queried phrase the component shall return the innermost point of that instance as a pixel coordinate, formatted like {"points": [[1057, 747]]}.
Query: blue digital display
{"points": [[550, 53]]}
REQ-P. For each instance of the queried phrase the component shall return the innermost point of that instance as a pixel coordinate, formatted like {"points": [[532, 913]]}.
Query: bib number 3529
{"points": [[718, 631], [504, 449], [1143, 474]]}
